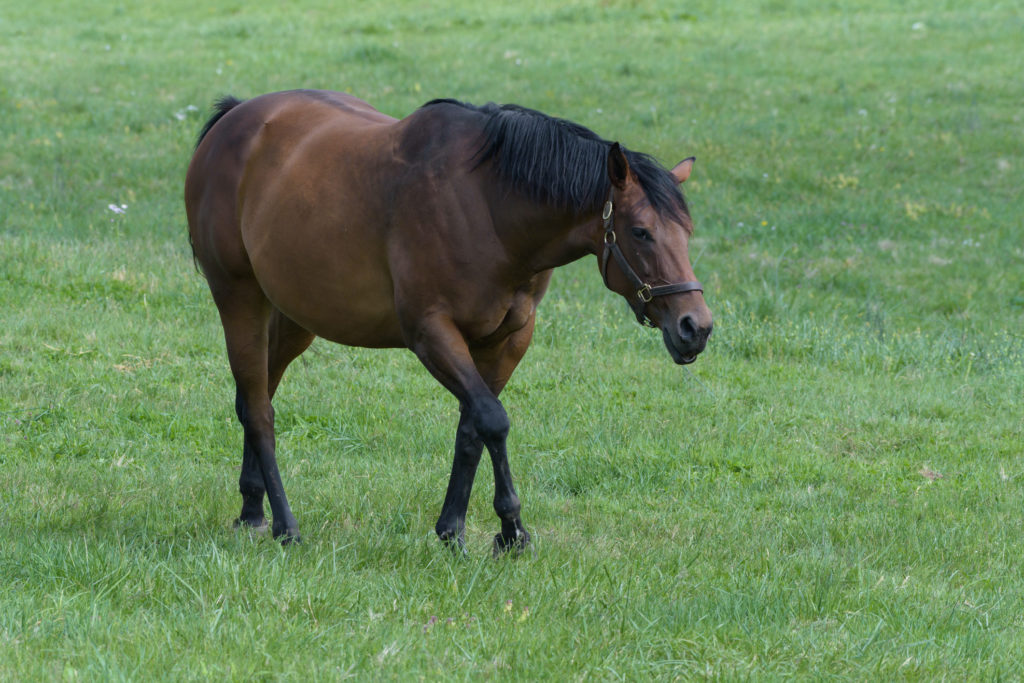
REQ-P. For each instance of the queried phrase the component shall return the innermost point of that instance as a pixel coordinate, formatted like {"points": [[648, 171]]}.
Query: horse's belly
{"points": [[338, 293], [339, 317]]}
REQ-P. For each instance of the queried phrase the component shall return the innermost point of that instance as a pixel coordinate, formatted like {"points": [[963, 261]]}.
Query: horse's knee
{"points": [[491, 421], [466, 434]]}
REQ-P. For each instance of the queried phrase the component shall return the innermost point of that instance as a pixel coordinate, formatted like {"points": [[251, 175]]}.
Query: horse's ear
{"points": [[682, 170], [618, 167]]}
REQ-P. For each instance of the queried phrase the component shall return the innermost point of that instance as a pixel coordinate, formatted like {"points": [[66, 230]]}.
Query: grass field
{"points": [[834, 490]]}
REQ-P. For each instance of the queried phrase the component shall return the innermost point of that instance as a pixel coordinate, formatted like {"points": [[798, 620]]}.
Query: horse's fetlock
{"points": [[446, 531], [507, 509], [252, 490]]}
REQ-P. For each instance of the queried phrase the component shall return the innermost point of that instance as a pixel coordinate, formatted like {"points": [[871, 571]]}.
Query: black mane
{"points": [[562, 163]]}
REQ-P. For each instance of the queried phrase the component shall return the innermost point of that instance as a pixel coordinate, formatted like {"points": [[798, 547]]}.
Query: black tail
{"points": [[221, 107]]}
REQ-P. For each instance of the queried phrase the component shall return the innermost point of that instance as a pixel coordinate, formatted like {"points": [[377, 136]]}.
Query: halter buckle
{"points": [[609, 237], [644, 293], [607, 212]]}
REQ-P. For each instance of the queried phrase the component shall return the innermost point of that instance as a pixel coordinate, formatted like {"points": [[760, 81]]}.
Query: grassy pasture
{"points": [[833, 490]]}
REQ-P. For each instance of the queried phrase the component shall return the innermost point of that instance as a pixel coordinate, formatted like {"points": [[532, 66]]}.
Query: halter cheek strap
{"points": [[644, 291]]}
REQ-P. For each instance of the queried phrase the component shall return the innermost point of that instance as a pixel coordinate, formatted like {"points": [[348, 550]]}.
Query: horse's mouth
{"points": [[681, 359], [680, 356]]}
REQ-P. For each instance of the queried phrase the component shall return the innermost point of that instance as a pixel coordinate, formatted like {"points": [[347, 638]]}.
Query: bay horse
{"points": [[313, 214]]}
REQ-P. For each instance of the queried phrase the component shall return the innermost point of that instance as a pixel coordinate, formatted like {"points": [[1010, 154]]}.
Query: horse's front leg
{"points": [[452, 522], [443, 350], [496, 364], [506, 503]]}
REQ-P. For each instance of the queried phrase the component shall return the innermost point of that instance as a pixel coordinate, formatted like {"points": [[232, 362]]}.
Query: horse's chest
{"points": [[506, 319], [519, 313]]}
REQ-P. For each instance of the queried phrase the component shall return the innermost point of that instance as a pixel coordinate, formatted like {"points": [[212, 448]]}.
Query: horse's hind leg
{"points": [[250, 482], [286, 342], [451, 525], [246, 314]]}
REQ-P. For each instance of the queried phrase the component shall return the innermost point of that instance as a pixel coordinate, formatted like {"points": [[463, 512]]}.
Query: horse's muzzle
{"points": [[687, 339]]}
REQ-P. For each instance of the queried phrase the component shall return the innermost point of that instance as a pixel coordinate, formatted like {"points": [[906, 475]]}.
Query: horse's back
{"points": [[353, 224], [271, 125]]}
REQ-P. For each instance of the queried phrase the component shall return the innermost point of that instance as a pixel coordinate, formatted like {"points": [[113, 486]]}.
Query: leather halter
{"points": [[644, 292]]}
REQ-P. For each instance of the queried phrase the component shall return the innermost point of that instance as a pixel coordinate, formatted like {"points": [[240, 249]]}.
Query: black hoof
{"points": [[515, 545], [287, 535], [453, 542], [456, 546]]}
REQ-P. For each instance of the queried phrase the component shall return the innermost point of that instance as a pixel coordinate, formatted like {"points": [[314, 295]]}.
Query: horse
{"points": [[311, 213]]}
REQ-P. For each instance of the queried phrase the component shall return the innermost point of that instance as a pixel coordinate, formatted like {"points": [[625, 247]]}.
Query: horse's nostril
{"points": [[687, 328]]}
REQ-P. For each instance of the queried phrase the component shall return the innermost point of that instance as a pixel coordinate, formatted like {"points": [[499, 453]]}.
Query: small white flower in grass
{"points": [[182, 114], [118, 208], [917, 26]]}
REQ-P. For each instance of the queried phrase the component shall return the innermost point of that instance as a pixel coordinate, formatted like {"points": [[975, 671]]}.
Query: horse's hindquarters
{"points": [[277, 193]]}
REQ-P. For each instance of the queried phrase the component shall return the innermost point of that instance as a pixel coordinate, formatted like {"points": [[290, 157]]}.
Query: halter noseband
{"points": [[644, 292]]}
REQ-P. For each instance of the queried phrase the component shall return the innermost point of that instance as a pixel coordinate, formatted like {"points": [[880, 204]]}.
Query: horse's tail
{"points": [[220, 107]]}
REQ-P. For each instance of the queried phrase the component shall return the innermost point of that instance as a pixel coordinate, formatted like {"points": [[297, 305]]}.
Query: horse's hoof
{"points": [[287, 536], [456, 546], [256, 525], [453, 541], [513, 546]]}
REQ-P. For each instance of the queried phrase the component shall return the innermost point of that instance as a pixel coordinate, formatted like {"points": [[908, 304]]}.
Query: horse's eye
{"points": [[642, 234]]}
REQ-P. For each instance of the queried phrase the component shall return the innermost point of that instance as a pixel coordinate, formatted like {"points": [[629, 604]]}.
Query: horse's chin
{"points": [[680, 356]]}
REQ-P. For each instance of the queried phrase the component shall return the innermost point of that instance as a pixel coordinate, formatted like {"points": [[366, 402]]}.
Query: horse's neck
{"points": [[547, 238]]}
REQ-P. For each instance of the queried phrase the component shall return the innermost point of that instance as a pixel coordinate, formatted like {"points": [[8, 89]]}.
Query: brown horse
{"points": [[311, 213]]}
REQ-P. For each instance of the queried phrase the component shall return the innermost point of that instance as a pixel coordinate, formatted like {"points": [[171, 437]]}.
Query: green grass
{"points": [[833, 491]]}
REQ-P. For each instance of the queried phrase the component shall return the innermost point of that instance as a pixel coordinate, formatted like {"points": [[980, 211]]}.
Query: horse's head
{"points": [[646, 259]]}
